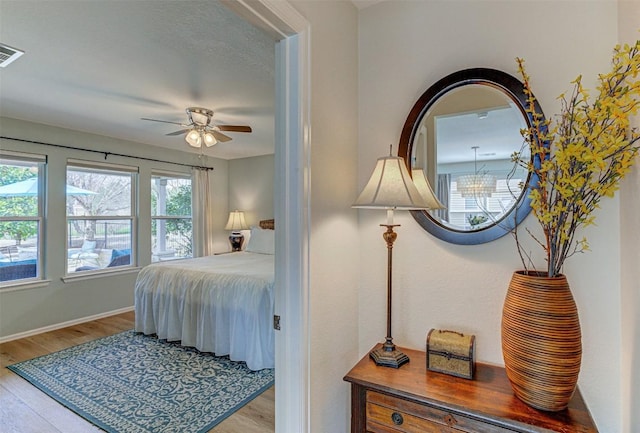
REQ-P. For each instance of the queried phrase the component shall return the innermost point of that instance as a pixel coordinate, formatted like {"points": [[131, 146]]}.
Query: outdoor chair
{"points": [[87, 252]]}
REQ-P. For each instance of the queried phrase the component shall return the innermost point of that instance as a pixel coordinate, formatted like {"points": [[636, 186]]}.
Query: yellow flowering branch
{"points": [[581, 157]]}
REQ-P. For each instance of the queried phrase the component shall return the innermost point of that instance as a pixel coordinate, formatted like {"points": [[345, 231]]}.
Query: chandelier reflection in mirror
{"points": [[477, 184]]}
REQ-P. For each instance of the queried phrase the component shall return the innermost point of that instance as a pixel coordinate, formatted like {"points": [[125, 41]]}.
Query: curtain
{"points": [[202, 214], [443, 189]]}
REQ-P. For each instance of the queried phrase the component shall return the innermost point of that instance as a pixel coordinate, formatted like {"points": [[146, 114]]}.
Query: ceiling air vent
{"points": [[8, 54]]}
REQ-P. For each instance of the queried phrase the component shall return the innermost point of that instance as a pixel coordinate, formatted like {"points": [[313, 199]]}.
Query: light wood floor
{"points": [[25, 409]]}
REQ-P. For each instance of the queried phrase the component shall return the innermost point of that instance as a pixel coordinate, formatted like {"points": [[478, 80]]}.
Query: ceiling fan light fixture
{"points": [[209, 139], [199, 116], [199, 119], [200, 131], [193, 138]]}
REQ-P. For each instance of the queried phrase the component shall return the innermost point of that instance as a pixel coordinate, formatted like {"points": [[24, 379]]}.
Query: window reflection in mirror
{"points": [[464, 144]]}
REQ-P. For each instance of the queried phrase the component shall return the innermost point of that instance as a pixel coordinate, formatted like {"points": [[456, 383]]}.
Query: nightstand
{"points": [[411, 399]]}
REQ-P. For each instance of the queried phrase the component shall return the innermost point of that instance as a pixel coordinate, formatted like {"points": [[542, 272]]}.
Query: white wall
{"points": [[58, 302], [251, 182], [629, 22], [404, 48], [334, 235]]}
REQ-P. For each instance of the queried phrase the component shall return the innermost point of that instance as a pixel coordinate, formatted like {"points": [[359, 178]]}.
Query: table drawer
{"points": [[382, 419], [387, 414]]}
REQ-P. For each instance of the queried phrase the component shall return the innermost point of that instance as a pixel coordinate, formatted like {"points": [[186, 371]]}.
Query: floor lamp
{"points": [[391, 187]]}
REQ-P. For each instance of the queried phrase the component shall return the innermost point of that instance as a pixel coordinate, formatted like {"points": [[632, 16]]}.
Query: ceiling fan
{"points": [[200, 130]]}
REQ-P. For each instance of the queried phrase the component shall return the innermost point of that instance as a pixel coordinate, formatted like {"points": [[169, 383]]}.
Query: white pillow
{"points": [[262, 241]]}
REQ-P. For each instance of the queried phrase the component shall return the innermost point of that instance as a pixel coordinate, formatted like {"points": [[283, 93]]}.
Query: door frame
{"points": [[291, 33]]}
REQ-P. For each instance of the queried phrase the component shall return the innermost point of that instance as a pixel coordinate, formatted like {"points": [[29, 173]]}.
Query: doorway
{"points": [[291, 35]]}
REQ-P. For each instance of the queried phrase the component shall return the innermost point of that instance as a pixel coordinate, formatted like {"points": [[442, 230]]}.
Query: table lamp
{"points": [[235, 224], [390, 187]]}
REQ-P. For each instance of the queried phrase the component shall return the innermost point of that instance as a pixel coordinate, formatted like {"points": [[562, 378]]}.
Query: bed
{"points": [[221, 304]]}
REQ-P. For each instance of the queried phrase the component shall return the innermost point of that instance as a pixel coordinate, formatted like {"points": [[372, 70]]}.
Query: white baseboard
{"points": [[64, 324]]}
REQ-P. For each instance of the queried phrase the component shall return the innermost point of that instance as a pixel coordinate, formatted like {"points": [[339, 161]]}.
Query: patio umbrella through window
{"points": [[29, 187]]}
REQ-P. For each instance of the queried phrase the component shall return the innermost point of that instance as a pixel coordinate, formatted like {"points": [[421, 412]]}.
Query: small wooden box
{"points": [[451, 352]]}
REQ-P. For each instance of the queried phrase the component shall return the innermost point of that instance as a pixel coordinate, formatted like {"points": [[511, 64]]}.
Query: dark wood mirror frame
{"points": [[514, 90]]}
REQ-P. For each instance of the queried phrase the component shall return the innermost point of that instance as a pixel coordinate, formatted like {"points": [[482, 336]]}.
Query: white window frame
{"points": [[155, 174], [132, 217], [8, 157]]}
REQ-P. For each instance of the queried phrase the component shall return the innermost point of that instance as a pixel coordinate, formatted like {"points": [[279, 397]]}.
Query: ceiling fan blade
{"points": [[234, 128], [220, 136], [163, 121], [182, 131]]}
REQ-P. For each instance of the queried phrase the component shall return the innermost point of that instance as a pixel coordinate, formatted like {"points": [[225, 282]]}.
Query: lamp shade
{"points": [[209, 139], [421, 182], [391, 187], [193, 138], [236, 221]]}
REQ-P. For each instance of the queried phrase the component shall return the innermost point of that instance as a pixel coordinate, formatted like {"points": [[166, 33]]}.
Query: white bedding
{"points": [[221, 304]]}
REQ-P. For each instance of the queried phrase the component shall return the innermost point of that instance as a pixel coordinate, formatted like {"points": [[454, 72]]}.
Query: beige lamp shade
{"points": [[236, 221], [391, 187], [421, 182]]}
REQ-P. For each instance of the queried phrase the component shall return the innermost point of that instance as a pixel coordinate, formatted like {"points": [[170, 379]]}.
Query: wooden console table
{"points": [[413, 400]]}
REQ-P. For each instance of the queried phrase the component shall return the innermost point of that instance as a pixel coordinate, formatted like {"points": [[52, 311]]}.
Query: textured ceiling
{"points": [[361, 4], [99, 66]]}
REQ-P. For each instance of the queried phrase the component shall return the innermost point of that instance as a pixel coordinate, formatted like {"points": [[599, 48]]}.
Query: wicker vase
{"points": [[541, 341]]}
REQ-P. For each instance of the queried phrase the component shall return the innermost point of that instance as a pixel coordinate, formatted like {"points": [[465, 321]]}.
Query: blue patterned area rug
{"points": [[131, 383]]}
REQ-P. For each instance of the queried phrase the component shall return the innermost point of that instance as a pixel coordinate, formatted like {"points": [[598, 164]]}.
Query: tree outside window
{"points": [[100, 220]]}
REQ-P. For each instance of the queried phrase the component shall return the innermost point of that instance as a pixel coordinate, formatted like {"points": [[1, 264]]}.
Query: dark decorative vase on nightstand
{"points": [[541, 340], [236, 239]]}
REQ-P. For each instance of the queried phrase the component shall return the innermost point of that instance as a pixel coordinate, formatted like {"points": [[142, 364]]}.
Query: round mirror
{"points": [[461, 134]]}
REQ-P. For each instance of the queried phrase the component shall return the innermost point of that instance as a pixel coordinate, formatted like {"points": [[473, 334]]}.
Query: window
{"points": [[21, 216], [171, 225], [100, 216]]}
